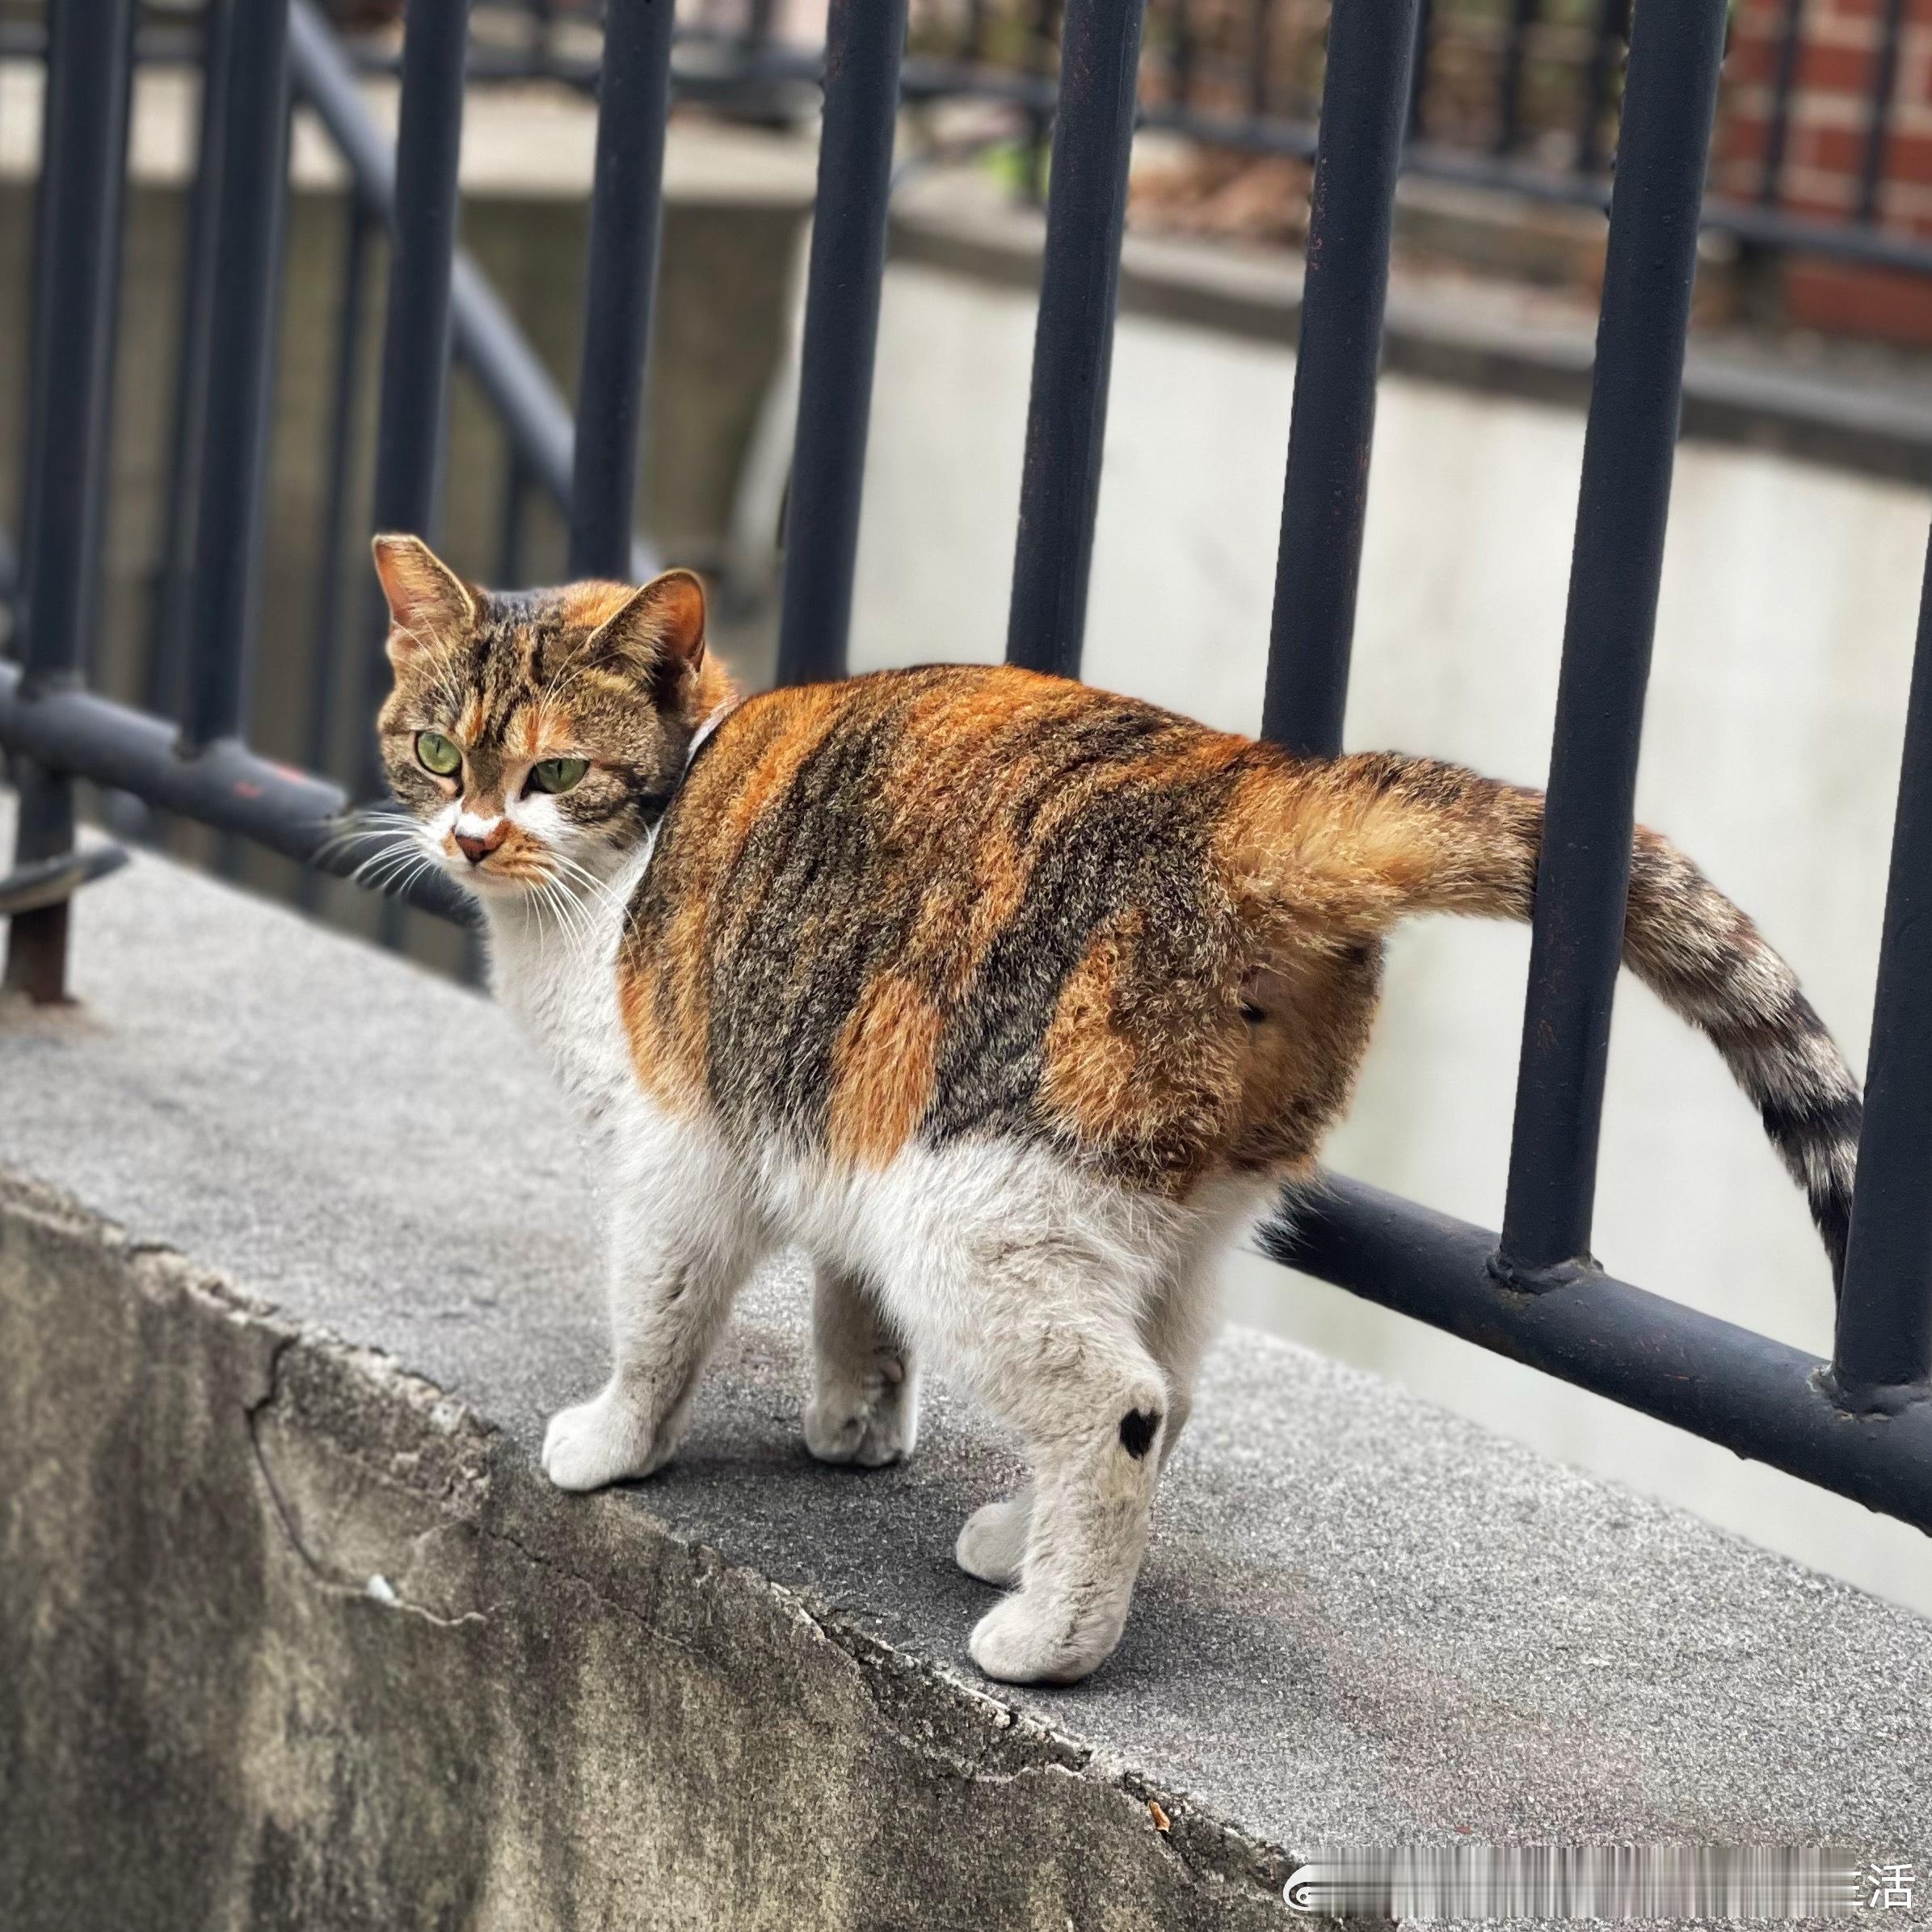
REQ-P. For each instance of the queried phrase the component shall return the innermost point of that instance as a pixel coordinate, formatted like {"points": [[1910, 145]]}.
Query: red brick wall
{"points": [[1825, 151]]}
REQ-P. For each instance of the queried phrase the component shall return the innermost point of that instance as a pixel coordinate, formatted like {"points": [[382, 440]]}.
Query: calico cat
{"points": [[1006, 999]]}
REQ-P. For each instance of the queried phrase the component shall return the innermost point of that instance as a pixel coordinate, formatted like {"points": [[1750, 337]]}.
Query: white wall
{"points": [[1771, 754]]}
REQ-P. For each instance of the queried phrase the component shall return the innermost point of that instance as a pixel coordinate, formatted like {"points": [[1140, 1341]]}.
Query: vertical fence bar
{"points": [[864, 40], [1182, 50], [1509, 76], [228, 518], [411, 419], [167, 648], [416, 331], [1073, 337], [1260, 44], [89, 53], [1777, 134], [1613, 26], [1039, 61], [1418, 78], [1629, 446], [115, 219], [543, 33], [1358, 151], [338, 465], [513, 521], [1877, 130], [634, 98], [34, 400], [758, 25], [1885, 1339]]}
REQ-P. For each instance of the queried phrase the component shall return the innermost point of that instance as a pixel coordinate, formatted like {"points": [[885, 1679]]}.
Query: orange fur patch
{"points": [[882, 1072]]}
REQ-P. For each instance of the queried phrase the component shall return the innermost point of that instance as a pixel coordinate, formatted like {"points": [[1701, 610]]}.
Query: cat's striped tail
{"points": [[1420, 835]]}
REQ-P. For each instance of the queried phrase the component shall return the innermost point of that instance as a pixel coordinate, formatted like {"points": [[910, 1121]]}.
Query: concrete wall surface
{"points": [[292, 1634]]}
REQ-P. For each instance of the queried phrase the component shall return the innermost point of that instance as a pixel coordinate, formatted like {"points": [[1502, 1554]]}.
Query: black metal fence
{"points": [[1861, 1425], [1519, 96]]}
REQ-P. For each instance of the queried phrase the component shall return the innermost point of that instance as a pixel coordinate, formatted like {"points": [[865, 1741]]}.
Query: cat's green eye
{"points": [[557, 774], [438, 754]]}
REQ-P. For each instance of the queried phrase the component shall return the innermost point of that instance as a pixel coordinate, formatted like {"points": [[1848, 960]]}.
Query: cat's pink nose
{"points": [[476, 850]]}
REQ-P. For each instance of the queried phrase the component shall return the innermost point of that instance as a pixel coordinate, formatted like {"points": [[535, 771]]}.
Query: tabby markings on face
{"points": [[538, 737]]}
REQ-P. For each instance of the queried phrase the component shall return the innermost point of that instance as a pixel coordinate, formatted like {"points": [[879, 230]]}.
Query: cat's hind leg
{"points": [[1037, 1302], [1176, 1327], [1092, 1404], [674, 1276], [992, 1546], [865, 1405]]}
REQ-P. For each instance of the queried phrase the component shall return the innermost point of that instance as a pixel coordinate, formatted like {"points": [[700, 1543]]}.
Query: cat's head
{"points": [[535, 737]]}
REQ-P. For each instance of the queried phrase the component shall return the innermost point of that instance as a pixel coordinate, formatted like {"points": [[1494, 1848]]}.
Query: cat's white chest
{"points": [[558, 979]]}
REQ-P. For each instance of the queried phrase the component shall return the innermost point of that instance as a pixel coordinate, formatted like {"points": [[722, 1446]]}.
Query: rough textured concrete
{"points": [[356, 1270]]}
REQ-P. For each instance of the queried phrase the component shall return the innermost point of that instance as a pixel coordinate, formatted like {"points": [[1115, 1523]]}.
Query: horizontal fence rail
{"points": [[1860, 1424]]}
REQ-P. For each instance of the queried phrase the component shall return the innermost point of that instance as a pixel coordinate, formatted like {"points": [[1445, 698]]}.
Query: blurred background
{"points": [[1797, 536]]}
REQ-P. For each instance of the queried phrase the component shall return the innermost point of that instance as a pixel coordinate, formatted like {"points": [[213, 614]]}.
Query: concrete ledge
{"points": [[1865, 409], [295, 1643], [295, 1257]]}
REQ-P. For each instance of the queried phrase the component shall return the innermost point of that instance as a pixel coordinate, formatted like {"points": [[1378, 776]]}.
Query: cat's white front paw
{"points": [[602, 1441], [1032, 1639], [992, 1546], [871, 1422]]}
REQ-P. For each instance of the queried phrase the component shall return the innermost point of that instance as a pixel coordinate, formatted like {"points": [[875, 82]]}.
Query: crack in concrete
{"points": [[326, 1577], [973, 1736]]}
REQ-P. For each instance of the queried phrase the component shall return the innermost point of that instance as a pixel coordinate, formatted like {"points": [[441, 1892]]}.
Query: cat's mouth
{"points": [[510, 863]]}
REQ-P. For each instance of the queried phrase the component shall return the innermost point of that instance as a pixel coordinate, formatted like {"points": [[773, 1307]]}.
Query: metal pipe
{"points": [[1073, 337], [1182, 50], [1884, 1338], [626, 202], [520, 388], [115, 218], [1720, 1381], [415, 343], [1040, 52], [339, 467], [1613, 26], [88, 58], [1878, 131], [1509, 77], [415, 338], [1629, 445], [228, 519], [1777, 132], [167, 650], [1418, 77], [864, 40], [511, 523], [974, 46], [1364, 109], [224, 785]]}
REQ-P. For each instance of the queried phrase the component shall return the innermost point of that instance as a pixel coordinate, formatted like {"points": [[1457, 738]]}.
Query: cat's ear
{"points": [[428, 602], [658, 633]]}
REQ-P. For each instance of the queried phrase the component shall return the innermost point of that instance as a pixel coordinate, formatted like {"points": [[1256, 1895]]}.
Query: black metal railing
{"points": [[1518, 96], [1861, 1425]]}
